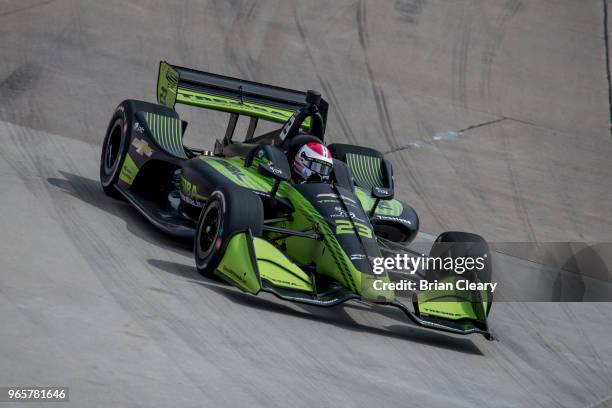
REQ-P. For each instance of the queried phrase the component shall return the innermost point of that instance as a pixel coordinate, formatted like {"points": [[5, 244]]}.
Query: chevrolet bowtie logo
{"points": [[142, 147]]}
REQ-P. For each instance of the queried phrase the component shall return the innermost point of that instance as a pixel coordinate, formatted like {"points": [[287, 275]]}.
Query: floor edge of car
{"points": [[166, 219]]}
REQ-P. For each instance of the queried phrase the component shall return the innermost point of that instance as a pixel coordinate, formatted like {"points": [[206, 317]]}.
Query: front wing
{"points": [[253, 265]]}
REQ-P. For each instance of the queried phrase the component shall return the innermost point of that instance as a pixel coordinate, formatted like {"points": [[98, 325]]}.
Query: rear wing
{"points": [[211, 91]]}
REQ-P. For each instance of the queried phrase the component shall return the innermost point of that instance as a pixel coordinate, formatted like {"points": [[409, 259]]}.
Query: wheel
{"points": [[114, 150], [228, 210], [117, 140]]}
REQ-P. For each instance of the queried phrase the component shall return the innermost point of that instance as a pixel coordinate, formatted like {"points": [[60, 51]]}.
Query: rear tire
{"points": [[114, 149], [117, 140], [229, 210]]}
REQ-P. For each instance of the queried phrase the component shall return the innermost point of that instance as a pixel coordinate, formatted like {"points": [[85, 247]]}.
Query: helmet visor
{"points": [[321, 168]]}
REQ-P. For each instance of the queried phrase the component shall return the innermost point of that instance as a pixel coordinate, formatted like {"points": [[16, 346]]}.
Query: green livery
{"points": [[172, 90], [167, 85], [256, 226], [128, 170], [167, 133]]}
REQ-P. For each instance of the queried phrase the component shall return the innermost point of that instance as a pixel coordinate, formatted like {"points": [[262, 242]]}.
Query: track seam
{"points": [[607, 54], [479, 125], [472, 127], [31, 6]]}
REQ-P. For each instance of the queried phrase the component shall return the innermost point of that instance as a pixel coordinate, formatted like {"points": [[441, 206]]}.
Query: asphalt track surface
{"points": [[495, 115]]}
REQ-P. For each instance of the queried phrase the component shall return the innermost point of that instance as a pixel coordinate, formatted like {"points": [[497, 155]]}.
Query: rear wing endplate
{"points": [[211, 91]]}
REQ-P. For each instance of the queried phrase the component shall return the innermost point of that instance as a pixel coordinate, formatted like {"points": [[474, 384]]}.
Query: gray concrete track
{"points": [[495, 115]]}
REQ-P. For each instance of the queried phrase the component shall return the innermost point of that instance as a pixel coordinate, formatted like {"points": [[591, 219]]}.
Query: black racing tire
{"points": [[117, 140], [228, 210], [114, 149]]}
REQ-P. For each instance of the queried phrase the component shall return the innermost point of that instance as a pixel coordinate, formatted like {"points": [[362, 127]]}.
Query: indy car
{"points": [[254, 223]]}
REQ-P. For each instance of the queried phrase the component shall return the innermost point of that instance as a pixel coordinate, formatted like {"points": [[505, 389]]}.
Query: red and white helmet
{"points": [[313, 159]]}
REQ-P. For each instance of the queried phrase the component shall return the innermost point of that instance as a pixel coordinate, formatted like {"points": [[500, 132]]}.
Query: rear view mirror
{"points": [[382, 193], [269, 170]]}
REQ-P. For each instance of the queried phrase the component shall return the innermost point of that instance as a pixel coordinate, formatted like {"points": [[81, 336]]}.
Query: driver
{"points": [[313, 162]]}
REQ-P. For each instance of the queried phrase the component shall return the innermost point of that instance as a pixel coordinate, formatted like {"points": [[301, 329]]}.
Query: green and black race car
{"points": [[252, 223]]}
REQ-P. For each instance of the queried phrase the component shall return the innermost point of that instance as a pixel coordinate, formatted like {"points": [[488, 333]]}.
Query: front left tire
{"points": [[229, 210]]}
